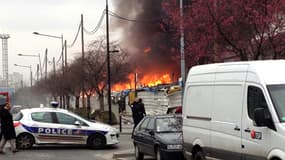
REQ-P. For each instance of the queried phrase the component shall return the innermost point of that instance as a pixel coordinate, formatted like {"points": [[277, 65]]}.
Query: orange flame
{"points": [[149, 80], [147, 50]]}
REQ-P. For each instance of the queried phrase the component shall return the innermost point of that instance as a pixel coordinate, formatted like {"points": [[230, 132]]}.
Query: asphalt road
{"points": [[50, 152]]}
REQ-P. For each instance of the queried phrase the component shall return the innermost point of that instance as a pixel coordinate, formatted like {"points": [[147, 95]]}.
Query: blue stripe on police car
{"points": [[62, 131]]}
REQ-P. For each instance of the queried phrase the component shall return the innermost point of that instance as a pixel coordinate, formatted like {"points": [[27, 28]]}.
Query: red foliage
{"points": [[216, 30]]}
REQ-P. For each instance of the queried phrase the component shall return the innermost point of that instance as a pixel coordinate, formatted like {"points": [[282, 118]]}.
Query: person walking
{"points": [[7, 128], [138, 112]]}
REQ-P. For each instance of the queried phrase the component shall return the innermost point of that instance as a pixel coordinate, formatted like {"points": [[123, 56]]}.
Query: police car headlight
{"points": [[174, 146]]}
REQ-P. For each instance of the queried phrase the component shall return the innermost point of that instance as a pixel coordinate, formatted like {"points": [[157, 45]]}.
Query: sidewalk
{"points": [[124, 155], [127, 125], [127, 128]]}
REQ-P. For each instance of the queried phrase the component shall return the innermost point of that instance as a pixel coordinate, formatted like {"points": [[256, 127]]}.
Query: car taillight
{"points": [[17, 123]]}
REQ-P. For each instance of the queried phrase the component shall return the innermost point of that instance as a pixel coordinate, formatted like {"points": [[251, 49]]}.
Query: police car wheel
{"points": [[97, 141], [25, 141]]}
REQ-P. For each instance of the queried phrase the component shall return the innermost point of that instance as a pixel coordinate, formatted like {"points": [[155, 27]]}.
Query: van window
{"points": [[255, 99], [277, 93]]}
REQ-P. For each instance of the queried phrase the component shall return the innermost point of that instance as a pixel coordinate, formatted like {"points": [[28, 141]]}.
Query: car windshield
{"points": [[169, 124], [277, 93]]}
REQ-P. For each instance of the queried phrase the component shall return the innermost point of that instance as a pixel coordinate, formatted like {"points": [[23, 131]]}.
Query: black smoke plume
{"points": [[150, 45]]}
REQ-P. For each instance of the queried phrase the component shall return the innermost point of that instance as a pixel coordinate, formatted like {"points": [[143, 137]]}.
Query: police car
{"points": [[59, 126]]}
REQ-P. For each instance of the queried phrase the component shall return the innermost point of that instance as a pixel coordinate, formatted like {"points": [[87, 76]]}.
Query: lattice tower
{"points": [[4, 38]]}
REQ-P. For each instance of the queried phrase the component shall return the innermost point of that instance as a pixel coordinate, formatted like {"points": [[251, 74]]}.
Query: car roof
{"points": [[43, 109]]}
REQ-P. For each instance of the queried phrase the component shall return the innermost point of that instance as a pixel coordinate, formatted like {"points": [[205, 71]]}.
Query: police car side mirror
{"points": [[77, 123]]}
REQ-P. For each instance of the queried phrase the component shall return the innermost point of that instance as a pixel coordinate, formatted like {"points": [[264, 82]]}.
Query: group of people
{"points": [[8, 133], [138, 111]]}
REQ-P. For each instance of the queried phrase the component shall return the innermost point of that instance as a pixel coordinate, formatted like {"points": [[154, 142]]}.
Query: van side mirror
{"points": [[259, 117]]}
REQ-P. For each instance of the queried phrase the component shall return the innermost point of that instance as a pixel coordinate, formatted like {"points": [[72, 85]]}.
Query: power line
{"points": [[97, 26], [76, 36], [134, 20]]}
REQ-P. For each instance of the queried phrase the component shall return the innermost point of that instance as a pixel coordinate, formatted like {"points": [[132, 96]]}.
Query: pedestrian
{"points": [[8, 131], [138, 111]]}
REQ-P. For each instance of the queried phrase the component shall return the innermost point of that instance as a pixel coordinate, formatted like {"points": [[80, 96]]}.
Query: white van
{"points": [[235, 111]]}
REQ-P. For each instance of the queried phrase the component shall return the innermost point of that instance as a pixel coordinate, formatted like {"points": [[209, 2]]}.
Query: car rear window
{"points": [[18, 116], [169, 124], [42, 117]]}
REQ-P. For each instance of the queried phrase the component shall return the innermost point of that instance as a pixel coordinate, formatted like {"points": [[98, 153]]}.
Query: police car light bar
{"points": [[54, 104]]}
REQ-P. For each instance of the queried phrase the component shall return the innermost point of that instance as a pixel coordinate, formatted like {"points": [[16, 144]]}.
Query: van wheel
{"points": [[199, 156], [24, 141], [139, 155]]}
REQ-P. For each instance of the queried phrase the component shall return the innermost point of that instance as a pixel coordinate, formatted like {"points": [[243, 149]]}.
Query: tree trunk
{"points": [[63, 101], [88, 106], [67, 102], [83, 101], [101, 101], [243, 56], [77, 102], [60, 101]]}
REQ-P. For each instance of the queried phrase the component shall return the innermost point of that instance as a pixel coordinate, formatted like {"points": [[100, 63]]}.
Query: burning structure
{"points": [[145, 38]]}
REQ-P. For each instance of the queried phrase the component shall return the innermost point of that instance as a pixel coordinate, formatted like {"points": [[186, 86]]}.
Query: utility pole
{"points": [[62, 55], [182, 58], [37, 72], [46, 60], [83, 61], [31, 75], [108, 64], [65, 47], [53, 61]]}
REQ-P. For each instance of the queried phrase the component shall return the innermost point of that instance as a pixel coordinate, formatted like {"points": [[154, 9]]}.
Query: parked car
{"points": [[159, 136], [59, 126]]}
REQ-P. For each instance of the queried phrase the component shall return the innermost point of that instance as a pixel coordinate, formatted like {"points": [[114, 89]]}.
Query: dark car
{"points": [[159, 136]]}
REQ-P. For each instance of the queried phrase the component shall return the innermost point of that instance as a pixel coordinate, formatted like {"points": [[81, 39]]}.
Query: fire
{"points": [[147, 50], [147, 80], [154, 79]]}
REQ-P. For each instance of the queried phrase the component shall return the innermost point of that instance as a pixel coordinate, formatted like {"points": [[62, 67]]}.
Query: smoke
{"points": [[149, 45]]}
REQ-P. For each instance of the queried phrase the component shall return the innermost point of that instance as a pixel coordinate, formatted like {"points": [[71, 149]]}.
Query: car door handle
{"points": [[237, 128], [247, 130]]}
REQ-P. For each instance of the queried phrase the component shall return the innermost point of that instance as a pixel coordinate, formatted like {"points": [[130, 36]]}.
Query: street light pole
{"points": [[31, 73], [182, 56], [62, 46], [62, 56], [33, 55], [108, 64]]}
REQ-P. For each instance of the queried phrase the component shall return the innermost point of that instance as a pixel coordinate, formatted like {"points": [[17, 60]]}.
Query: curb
{"points": [[124, 154]]}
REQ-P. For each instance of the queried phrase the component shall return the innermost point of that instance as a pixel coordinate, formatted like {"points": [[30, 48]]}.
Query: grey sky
{"points": [[20, 18]]}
